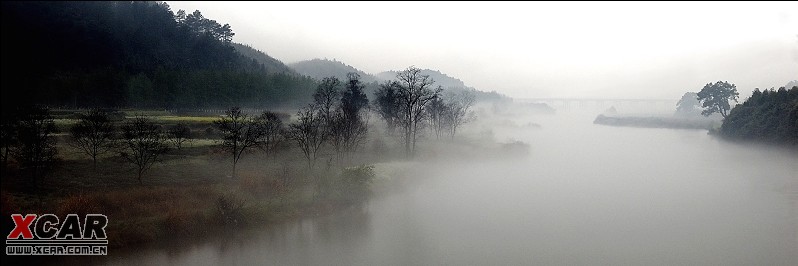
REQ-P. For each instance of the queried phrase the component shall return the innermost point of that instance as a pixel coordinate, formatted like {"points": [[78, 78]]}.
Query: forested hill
{"points": [[451, 84], [134, 54], [767, 116], [271, 65], [322, 68]]}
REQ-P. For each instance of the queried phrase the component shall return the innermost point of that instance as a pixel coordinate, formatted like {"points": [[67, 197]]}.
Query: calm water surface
{"points": [[586, 195]]}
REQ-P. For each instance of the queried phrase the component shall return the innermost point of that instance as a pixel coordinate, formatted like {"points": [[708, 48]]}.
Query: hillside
{"points": [[270, 64], [134, 54], [321, 68]]}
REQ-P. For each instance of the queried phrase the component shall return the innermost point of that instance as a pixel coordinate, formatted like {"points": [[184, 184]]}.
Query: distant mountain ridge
{"points": [[791, 84], [441, 79], [270, 64], [321, 68]]}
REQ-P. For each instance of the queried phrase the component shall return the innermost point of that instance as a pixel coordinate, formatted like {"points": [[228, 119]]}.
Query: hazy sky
{"points": [[535, 49]]}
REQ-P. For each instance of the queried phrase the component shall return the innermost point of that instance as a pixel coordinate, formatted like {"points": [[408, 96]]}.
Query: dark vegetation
{"points": [[159, 175], [767, 116], [134, 54], [105, 110], [321, 68]]}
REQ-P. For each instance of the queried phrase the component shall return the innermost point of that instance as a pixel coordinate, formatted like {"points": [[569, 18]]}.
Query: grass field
{"points": [[191, 191], [183, 195]]}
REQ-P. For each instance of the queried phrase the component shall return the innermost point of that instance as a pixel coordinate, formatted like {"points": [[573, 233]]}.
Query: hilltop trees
{"points": [[202, 26], [715, 98]]}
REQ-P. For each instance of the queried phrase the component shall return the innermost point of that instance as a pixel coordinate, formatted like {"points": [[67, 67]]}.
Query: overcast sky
{"points": [[535, 49]]}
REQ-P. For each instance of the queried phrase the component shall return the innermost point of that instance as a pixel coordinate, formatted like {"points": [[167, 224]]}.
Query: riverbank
{"points": [[657, 122], [191, 193]]}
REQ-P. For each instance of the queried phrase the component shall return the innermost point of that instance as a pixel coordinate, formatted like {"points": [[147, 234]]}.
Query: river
{"points": [[586, 195]]}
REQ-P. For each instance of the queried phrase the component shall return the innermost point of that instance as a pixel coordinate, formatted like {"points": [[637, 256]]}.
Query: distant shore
{"points": [[657, 122]]}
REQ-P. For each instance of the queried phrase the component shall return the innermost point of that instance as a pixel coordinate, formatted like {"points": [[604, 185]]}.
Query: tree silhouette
{"points": [[93, 134], [35, 149], [715, 98], [403, 103], [143, 144]]}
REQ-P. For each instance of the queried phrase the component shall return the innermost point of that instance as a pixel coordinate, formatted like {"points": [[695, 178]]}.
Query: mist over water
{"points": [[586, 195]]}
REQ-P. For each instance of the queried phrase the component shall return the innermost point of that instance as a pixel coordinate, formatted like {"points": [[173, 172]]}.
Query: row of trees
{"points": [[768, 115], [410, 102], [30, 141], [338, 117]]}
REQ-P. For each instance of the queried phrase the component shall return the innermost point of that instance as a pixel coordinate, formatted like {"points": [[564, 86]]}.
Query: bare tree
{"points": [[308, 133], [35, 149], [327, 97], [239, 132], [438, 116], [411, 95], [143, 144], [272, 130], [93, 134], [179, 134], [459, 114]]}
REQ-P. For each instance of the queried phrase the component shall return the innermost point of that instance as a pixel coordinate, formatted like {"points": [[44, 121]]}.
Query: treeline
{"points": [[133, 54], [768, 115], [336, 119]]}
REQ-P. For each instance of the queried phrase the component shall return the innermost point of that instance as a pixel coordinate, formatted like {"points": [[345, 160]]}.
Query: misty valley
{"points": [[585, 194], [142, 133]]}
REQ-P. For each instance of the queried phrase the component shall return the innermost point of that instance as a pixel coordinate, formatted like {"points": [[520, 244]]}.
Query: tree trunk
{"points": [[234, 169], [407, 142]]}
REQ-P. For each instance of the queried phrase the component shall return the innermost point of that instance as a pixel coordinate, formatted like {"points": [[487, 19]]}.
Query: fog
{"points": [[348, 172], [536, 49], [584, 194]]}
